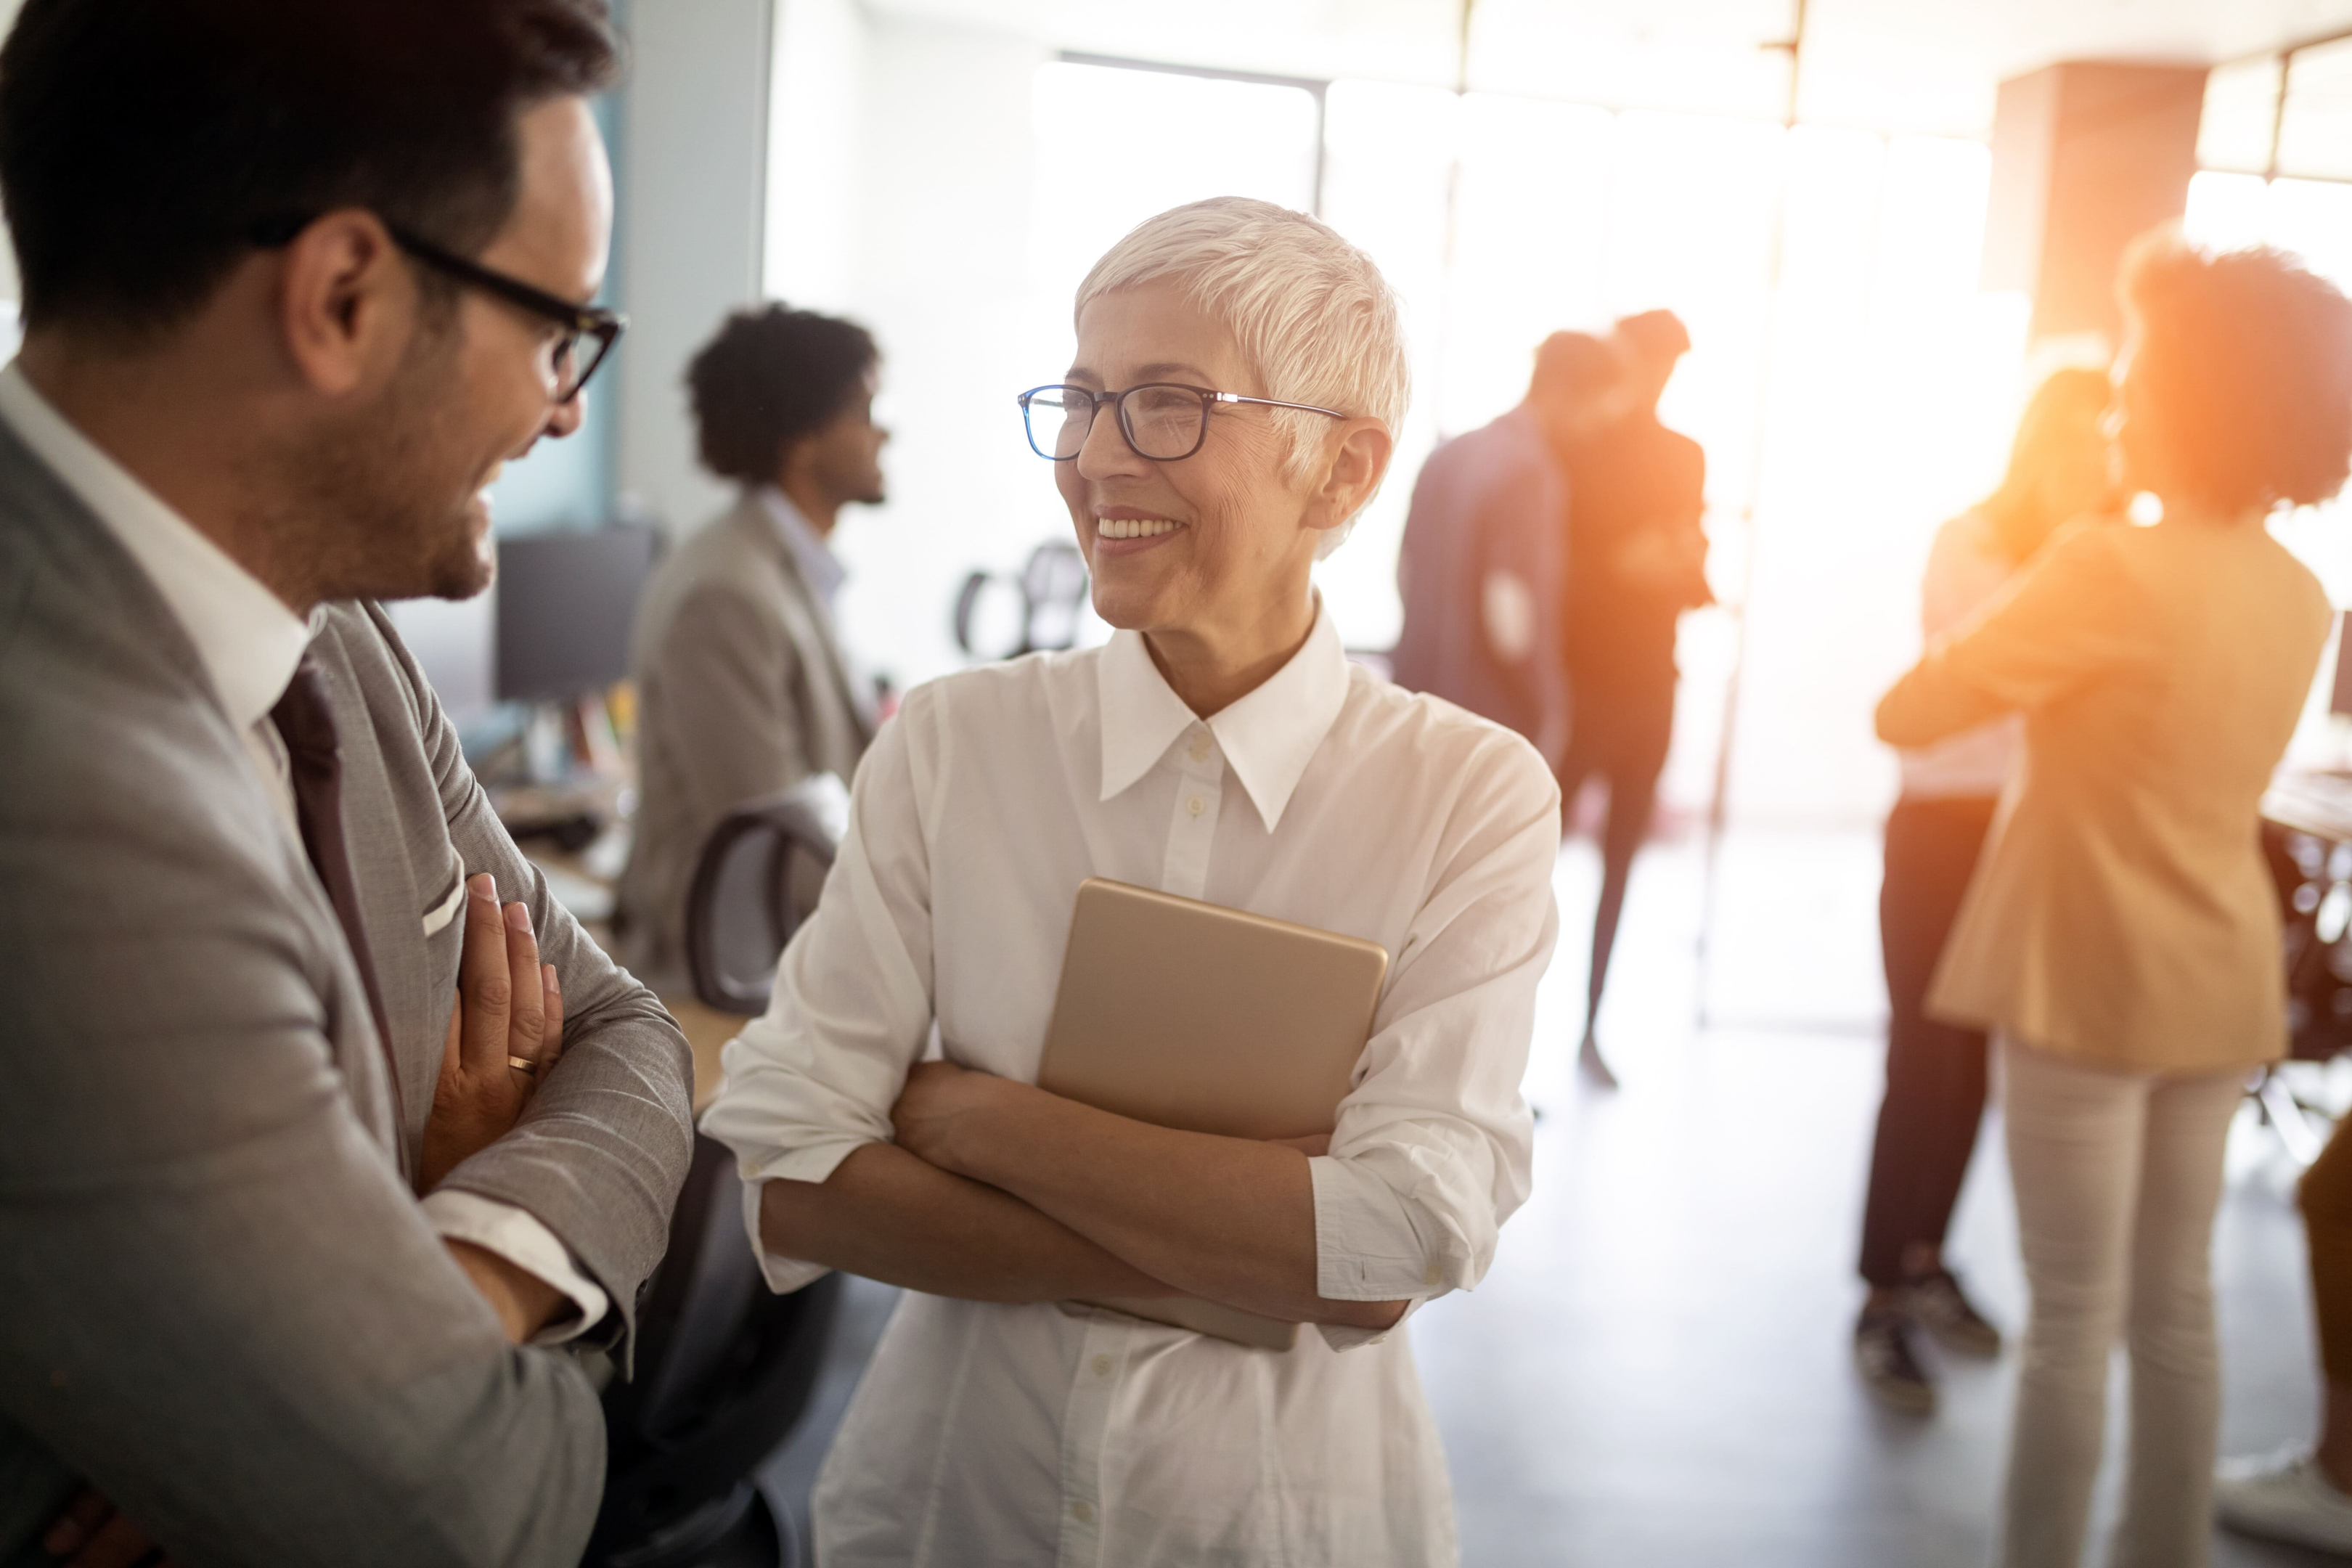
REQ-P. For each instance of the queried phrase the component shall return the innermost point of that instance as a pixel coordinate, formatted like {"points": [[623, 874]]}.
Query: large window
{"points": [[1850, 384]]}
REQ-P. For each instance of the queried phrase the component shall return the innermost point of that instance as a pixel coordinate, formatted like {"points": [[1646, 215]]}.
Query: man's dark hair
{"points": [[1573, 365], [1658, 337], [144, 142], [2246, 359], [770, 377]]}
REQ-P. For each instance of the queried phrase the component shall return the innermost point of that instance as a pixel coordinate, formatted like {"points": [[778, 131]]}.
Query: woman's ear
{"points": [[1358, 458]]}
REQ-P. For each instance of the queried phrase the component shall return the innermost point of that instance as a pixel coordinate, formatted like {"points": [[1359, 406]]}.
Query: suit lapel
{"points": [[393, 901]]}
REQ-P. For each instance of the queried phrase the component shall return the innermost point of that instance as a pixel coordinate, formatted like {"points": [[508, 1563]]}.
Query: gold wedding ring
{"points": [[524, 1066]]}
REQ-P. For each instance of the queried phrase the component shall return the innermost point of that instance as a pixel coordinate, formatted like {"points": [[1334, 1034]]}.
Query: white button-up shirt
{"points": [[1032, 1434], [249, 644]]}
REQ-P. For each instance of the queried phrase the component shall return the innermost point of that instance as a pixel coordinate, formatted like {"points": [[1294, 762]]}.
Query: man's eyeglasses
{"points": [[590, 331], [1163, 420]]}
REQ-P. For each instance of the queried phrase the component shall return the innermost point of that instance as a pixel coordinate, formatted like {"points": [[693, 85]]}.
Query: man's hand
{"points": [[91, 1535], [524, 1302], [508, 1008]]}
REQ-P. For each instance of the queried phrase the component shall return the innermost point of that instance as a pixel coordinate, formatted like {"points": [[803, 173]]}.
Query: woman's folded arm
{"points": [[889, 1215]]}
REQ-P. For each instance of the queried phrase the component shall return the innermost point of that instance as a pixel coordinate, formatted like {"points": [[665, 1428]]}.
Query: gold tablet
{"points": [[1196, 1016]]}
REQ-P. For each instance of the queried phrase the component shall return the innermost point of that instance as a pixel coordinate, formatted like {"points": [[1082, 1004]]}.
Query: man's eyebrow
{"points": [[1164, 369]]}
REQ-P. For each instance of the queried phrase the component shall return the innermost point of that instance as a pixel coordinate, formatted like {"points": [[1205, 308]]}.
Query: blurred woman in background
{"points": [[2121, 936], [1936, 1072]]}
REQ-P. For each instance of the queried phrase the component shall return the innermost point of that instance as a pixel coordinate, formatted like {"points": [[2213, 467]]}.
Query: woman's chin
{"points": [[1128, 606]]}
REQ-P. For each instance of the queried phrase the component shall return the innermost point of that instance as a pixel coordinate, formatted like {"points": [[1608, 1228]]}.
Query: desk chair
{"points": [[725, 1367], [2313, 875], [756, 879], [1051, 586]]}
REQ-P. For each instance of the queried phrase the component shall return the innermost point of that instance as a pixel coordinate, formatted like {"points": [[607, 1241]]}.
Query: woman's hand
{"points": [[944, 1111]]}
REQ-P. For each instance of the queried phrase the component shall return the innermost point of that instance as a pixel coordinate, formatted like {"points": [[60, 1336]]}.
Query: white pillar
{"points": [[693, 162]]}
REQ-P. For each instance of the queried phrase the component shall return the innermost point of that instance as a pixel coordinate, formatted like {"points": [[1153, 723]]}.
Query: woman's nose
{"points": [[1104, 451]]}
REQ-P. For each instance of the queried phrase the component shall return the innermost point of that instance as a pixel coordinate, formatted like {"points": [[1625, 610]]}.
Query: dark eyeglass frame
{"points": [[1210, 397], [585, 322]]}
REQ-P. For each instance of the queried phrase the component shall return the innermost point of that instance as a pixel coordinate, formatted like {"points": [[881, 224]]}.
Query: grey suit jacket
{"points": [[742, 690], [219, 1300]]}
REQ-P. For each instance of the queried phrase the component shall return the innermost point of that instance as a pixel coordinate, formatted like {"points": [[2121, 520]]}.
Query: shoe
{"points": [[2283, 1497], [1939, 1304], [1882, 1353]]}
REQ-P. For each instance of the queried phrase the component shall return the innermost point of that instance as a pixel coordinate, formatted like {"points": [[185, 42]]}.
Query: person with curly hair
{"points": [[744, 685], [2121, 935]]}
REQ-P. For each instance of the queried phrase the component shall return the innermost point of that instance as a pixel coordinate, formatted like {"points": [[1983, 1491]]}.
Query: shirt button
{"points": [[1430, 1275], [1196, 806], [1083, 1511], [1102, 1366]]}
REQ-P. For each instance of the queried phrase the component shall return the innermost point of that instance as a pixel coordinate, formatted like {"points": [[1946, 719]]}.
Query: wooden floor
{"points": [[1655, 1373]]}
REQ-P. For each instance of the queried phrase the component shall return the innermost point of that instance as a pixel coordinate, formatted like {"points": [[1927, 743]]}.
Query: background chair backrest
{"points": [[756, 879]]}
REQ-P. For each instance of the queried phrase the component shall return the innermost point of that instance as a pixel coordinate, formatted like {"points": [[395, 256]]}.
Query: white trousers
{"points": [[2117, 1176]]}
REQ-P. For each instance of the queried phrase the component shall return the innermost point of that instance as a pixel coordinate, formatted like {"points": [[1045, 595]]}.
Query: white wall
{"points": [[815, 149], [936, 270], [694, 145]]}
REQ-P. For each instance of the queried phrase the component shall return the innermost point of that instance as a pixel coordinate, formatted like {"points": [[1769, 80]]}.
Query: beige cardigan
{"points": [[2121, 914]]}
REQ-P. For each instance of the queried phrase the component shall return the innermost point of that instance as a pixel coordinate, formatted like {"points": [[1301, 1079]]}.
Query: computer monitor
{"points": [[566, 601]]}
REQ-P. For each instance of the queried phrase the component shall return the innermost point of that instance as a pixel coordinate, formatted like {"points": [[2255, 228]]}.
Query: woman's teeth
{"points": [[1133, 527]]}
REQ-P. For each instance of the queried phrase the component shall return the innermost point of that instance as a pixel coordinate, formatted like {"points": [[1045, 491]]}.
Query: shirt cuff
{"points": [[520, 1238], [813, 1164], [1367, 1248], [1366, 1245]]}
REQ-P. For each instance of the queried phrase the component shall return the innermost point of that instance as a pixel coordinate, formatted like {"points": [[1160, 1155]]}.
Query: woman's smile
{"points": [[1132, 533]]}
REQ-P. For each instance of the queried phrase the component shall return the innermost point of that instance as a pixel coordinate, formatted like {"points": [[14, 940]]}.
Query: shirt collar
{"points": [[819, 567], [249, 640], [1268, 737]]}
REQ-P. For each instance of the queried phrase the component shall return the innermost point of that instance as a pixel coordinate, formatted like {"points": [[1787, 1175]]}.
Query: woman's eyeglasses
{"points": [[1163, 420], [590, 331]]}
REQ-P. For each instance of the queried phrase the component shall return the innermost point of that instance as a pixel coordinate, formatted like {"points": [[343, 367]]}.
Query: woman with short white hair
{"points": [[1239, 380]]}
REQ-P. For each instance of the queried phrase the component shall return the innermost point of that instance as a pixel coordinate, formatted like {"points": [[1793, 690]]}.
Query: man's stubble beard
{"points": [[384, 498]]}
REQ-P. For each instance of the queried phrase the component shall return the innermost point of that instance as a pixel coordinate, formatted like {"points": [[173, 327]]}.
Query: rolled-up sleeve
{"points": [[1434, 1144], [815, 1077]]}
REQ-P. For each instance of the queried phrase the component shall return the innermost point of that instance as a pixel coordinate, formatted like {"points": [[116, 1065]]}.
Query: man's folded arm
{"points": [[602, 1149], [223, 1308]]}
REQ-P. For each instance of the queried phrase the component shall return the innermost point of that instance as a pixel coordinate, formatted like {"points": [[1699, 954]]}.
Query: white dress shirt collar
{"points": [[249, 640], [1269, 736], [819, 567]]}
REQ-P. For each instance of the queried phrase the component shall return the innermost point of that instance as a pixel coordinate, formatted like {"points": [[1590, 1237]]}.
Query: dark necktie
{"points": [[306, 722]]}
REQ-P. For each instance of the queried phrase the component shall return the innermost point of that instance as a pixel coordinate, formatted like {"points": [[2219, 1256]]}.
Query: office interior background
{"points": [[1655, 1371]]}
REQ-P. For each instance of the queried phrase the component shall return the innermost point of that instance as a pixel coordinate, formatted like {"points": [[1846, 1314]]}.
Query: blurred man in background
{"points": [[1636, 561], [745, 688], [1480, 569]]}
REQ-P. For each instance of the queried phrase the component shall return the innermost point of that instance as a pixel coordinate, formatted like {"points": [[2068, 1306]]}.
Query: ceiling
{"points": [[1899, 64]]}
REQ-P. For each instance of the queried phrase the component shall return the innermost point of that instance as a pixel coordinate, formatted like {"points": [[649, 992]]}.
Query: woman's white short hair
{"points": [[1315, 318]]}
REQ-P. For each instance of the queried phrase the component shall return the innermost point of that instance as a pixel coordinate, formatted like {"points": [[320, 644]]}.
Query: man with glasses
{"points": [[322, 1124]]}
